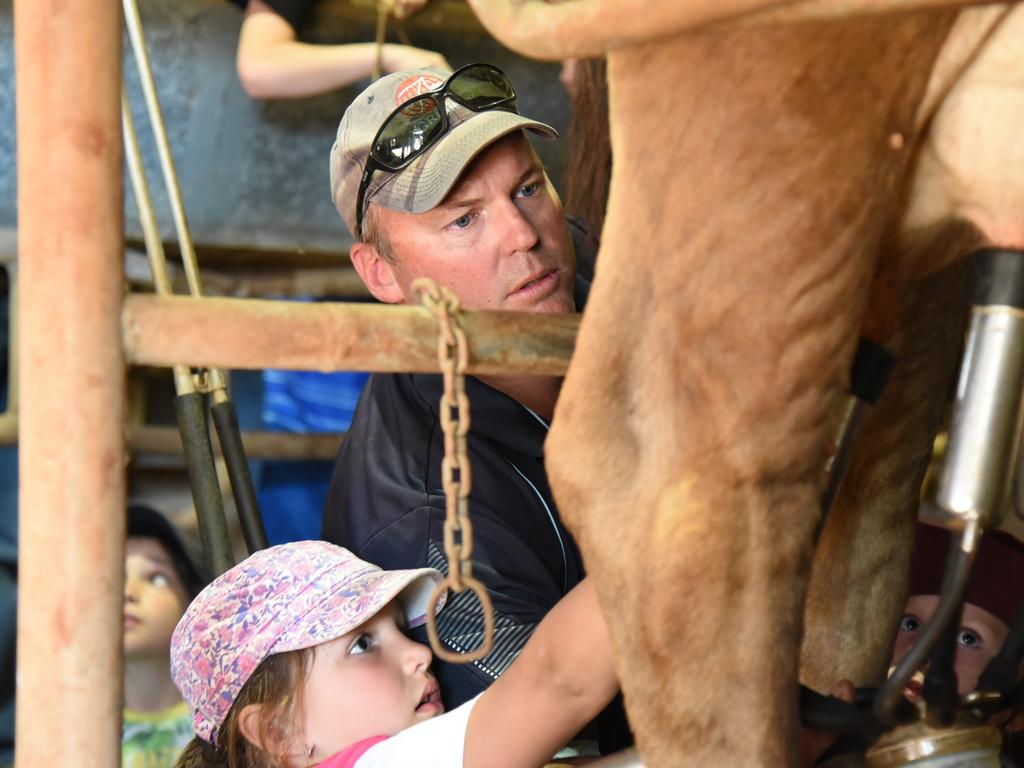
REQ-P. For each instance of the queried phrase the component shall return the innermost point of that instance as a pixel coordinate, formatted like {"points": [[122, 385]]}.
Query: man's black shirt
{"points": [[386, 503]]}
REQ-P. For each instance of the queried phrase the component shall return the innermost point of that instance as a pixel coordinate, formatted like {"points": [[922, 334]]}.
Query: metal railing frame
{"points": [[77, 333]]}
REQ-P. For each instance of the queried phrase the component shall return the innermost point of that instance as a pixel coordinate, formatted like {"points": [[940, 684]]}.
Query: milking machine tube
{"points": [[985, 430], [1000, 673], [954, 581], [940, 683], [224, 414], [226, 420], [195, 438], [869, 373], [828, 713], [202, 475]]}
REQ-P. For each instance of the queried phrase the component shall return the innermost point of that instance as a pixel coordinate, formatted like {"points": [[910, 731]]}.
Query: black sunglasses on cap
{"points": [[418, 123]]}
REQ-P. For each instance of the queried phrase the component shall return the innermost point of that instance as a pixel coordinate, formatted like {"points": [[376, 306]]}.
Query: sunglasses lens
{"points": [[480, 87], [409, 131]]}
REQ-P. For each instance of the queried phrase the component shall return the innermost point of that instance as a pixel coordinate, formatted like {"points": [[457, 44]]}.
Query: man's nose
{"points": [[517, 229]]}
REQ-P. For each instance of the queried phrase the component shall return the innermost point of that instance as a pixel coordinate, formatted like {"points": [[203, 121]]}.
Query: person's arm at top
{"points": [[273, 63], [564, 676]]}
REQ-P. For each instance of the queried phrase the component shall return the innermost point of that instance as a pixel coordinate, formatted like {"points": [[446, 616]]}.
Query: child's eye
{"points": [[159, 580], [362, 644], [909, 623], [968, 638]]}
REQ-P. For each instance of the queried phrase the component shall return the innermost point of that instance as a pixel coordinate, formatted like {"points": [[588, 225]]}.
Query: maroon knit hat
{"points": [[997, 581]]}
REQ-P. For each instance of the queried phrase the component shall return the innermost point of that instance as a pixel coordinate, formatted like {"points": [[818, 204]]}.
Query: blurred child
{"points": [[995, 590], [160, 580], [990, 601], [993, 593], [298, 656]]}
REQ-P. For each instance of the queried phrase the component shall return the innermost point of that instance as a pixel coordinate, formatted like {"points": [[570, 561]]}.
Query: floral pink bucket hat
{"points": [[284, 598]]}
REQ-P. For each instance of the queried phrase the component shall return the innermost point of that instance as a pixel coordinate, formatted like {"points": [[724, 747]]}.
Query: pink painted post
{"points": [[72, 495]]}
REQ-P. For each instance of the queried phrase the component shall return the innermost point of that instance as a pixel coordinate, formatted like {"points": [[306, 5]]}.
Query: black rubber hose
{"points": [[869, 373], [940, 683], [958, 569], [828, 713], [1001, 672], [202, 475], [226, 420]]}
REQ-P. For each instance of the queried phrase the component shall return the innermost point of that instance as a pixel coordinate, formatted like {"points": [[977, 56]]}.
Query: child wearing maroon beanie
{"points": [[991, 599]]}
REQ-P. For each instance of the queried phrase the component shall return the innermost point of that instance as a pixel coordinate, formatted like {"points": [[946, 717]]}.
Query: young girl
{"points": [[298, 657], [161, 578]]}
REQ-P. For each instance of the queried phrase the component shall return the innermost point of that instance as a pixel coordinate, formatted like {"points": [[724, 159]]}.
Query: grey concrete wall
{"points": [[254, 174]]}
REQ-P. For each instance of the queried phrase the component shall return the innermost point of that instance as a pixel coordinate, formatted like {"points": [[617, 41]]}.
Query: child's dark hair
{"points": [[145, 522], [276, 685]]}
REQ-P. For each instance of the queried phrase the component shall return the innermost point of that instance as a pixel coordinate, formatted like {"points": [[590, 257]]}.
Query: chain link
{"points": [[456, 474]]}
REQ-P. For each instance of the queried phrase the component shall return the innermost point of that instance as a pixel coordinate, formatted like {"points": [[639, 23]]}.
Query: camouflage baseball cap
{"points": [[424, 183]]}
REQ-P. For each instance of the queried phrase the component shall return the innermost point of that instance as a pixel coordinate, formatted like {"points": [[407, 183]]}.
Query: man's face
{"points": [[498, 240], [154, 599]]}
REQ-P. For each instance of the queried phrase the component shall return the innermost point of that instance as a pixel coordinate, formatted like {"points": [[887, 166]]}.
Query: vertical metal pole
{"points": [[12, 331], [72, 486]]}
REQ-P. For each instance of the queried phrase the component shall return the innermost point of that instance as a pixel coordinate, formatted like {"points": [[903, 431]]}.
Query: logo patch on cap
{"points": [[416, 85]]}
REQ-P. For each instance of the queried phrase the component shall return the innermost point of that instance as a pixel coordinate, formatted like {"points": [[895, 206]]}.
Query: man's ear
{"points": [[377, 273]]}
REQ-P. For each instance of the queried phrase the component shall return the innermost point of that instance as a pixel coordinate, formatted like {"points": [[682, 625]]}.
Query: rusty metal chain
{"points": [[456, 474]]}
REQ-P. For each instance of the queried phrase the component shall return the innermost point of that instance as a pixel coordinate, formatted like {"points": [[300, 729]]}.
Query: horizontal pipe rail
{"points": [[255, 334], [258, 444]]}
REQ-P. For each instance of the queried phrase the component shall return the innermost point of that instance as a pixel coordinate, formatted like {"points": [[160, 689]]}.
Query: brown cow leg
{"points": [[728, 300], [858, 579], [699, 535]]}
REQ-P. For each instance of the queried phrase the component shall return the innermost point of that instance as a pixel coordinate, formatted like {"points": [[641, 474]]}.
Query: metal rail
{"points": [[9, 417], [259, 444], [71, 501], [190, 405], [333, 336]]}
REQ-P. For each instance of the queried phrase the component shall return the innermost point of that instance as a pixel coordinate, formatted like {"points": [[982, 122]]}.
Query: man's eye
{"points": [[909, 623], [968, 638], [463, 221], [362, 644]]}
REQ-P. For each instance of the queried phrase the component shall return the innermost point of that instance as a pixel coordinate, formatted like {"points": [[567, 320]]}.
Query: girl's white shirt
{"points": [[435, 743]]}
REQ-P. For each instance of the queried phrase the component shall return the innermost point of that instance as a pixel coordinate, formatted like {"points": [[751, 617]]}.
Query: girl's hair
{"points": [[277, 685]]}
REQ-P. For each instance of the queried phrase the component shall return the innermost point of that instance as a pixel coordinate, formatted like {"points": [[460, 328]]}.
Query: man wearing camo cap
{"points": [[434, 176]]}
